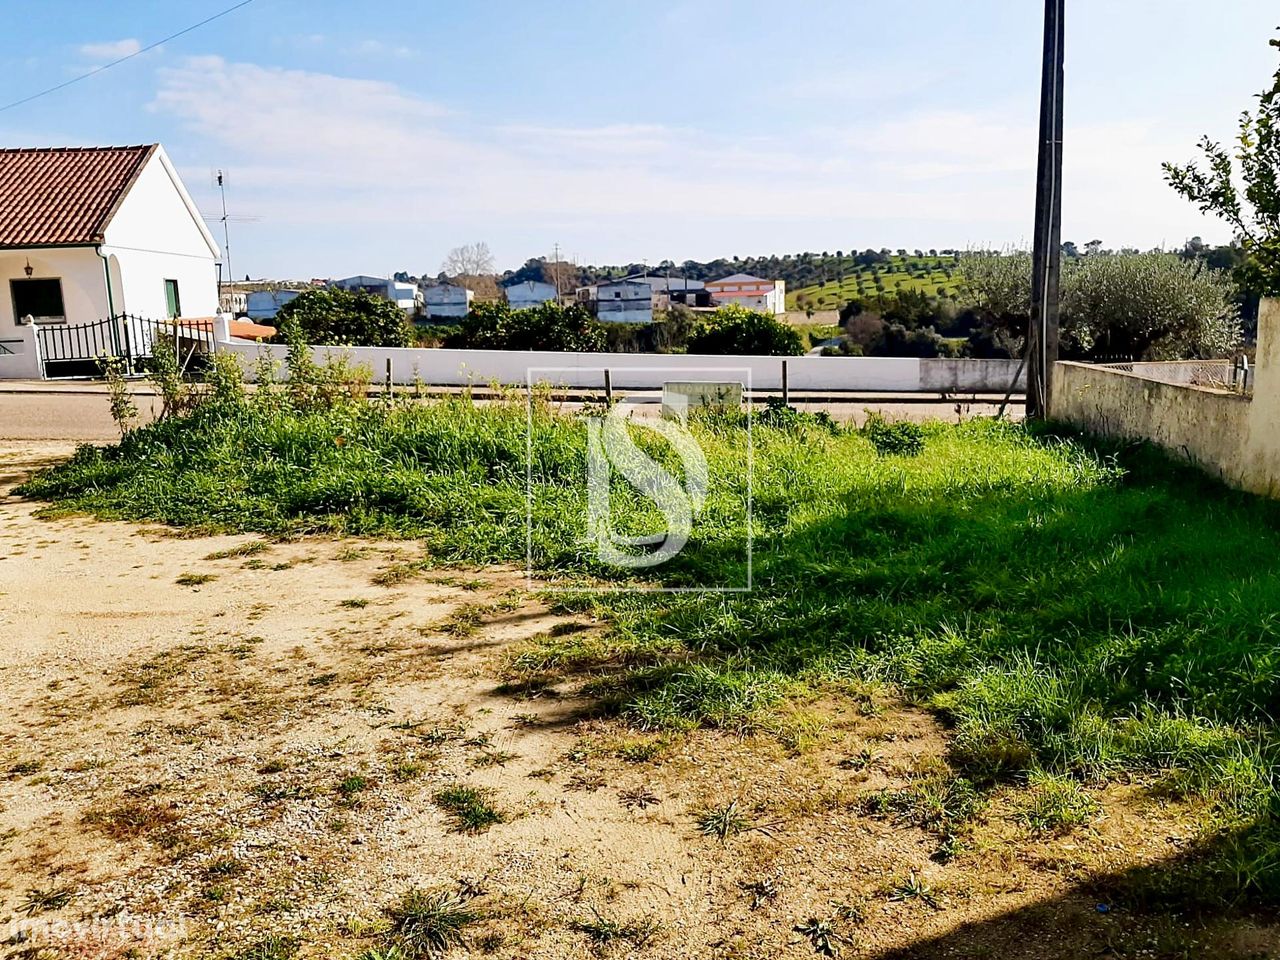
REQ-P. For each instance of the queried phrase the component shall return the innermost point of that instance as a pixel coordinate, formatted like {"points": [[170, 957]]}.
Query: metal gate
{"points": [[77, 350]]}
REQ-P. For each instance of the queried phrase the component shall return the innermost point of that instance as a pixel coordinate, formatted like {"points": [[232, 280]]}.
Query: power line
{"points": [[137, 53]]}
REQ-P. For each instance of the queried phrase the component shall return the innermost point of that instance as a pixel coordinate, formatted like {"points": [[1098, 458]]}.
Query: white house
{"points": [[89, 233], [531, 293], [676, 290], [764, 296], [265, 304], [403, 295], [620, 301], [447, 300]]}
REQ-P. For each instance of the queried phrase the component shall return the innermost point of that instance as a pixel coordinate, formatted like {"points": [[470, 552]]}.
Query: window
{"points": [[39, 299], [172, 302]]}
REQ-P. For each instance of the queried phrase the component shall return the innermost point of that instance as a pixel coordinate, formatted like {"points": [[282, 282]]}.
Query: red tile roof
{"points": [[64, 196]]}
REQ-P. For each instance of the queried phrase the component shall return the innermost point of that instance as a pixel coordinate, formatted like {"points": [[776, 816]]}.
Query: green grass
{"points": [[1057, 804], [428, 924], [471, 808], [272, 948], [722, 822], [1068, 611], [604, 931]]}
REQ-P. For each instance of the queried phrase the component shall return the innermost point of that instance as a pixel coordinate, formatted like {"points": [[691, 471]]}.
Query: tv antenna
{"points": [[220, 178]]}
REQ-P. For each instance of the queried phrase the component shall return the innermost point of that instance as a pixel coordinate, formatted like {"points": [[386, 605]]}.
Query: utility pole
{"points": [[1042, 337]]}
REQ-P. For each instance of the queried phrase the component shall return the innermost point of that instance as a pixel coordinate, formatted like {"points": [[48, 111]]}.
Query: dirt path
{"points": [[214, 742]]}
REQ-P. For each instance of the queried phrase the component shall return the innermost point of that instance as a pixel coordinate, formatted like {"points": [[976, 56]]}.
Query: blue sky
{"points": [[374, 137]]}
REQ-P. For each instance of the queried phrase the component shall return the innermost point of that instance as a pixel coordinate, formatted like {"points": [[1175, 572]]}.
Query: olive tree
{"points": [[1254, 212], [1153, 306], [999, 284]]}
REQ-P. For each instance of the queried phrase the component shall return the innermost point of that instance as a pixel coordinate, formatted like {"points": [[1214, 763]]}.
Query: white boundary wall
{"points": [[434, 367], [20, 358], [457, 368]]}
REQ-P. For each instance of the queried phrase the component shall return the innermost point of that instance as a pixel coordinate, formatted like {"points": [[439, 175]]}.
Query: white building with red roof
{"points": [[89, 233], [754, 293]]}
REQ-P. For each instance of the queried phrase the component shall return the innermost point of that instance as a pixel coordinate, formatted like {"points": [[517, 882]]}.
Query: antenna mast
{"points": [[226, 230]]}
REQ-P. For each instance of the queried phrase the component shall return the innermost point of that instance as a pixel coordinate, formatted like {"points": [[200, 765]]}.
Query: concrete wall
{"points": [[513, 368], [19, 357], [972, 376], [1226, 434], [530, 294], [447, 300]]}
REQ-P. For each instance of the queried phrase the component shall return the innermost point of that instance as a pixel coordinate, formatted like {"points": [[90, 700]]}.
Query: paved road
{"points": [[79, 411]]}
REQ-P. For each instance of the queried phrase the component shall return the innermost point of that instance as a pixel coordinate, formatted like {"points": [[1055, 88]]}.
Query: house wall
{"points": [[1224, 433], [524, 296], [84, 288], [624, 303], [156, 236], [763, 296], [265, 304], [447, 301]]}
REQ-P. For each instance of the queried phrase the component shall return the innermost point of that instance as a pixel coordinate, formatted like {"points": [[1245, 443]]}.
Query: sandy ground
{"points": [[210, 742]]}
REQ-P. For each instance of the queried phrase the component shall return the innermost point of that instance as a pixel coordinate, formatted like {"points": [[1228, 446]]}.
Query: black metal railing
{"points": [[77, 350]]}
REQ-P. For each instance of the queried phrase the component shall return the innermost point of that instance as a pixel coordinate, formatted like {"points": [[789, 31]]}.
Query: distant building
{"points": [[403, 295], [531, 293], [764, 296], [620, 301], [265, 304], [691, 293], [447, 300], [234, 302]]}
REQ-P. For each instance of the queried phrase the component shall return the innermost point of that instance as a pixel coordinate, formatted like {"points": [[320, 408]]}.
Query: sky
{"points": [[374, 137]]}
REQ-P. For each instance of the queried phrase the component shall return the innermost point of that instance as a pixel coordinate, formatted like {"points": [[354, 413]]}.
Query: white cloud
{"points": [[111, 50], [377, 164], [377, 48]]}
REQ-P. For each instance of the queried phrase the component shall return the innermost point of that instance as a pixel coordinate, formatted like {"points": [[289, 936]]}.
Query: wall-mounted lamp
{"points": [[28, 269]]}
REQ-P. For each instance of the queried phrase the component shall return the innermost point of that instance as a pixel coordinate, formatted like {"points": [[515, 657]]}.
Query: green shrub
{"points": [[736, 331], [894, 439], [340, 318], [548, 326]]}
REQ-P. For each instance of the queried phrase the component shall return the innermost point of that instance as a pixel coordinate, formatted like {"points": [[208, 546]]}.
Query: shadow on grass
{"points": [[1159, 910], [1056, 613], [1097, 629]]}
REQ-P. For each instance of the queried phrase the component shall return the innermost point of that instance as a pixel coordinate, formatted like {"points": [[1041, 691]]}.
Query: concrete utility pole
{"points": [[1042, 337]]}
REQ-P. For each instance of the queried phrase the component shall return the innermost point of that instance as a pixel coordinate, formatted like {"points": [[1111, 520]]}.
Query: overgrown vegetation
{"points": [[342, 318], [1144, 306], [548, 326], [735, 330], [1072, 613]]}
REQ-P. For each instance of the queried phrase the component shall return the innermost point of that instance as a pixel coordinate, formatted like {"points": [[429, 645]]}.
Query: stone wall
{"points": [[1224, 433]]}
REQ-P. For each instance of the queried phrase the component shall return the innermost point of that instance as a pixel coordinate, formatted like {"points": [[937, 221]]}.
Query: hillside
{"points": [[932, 275], [828, 278]]}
